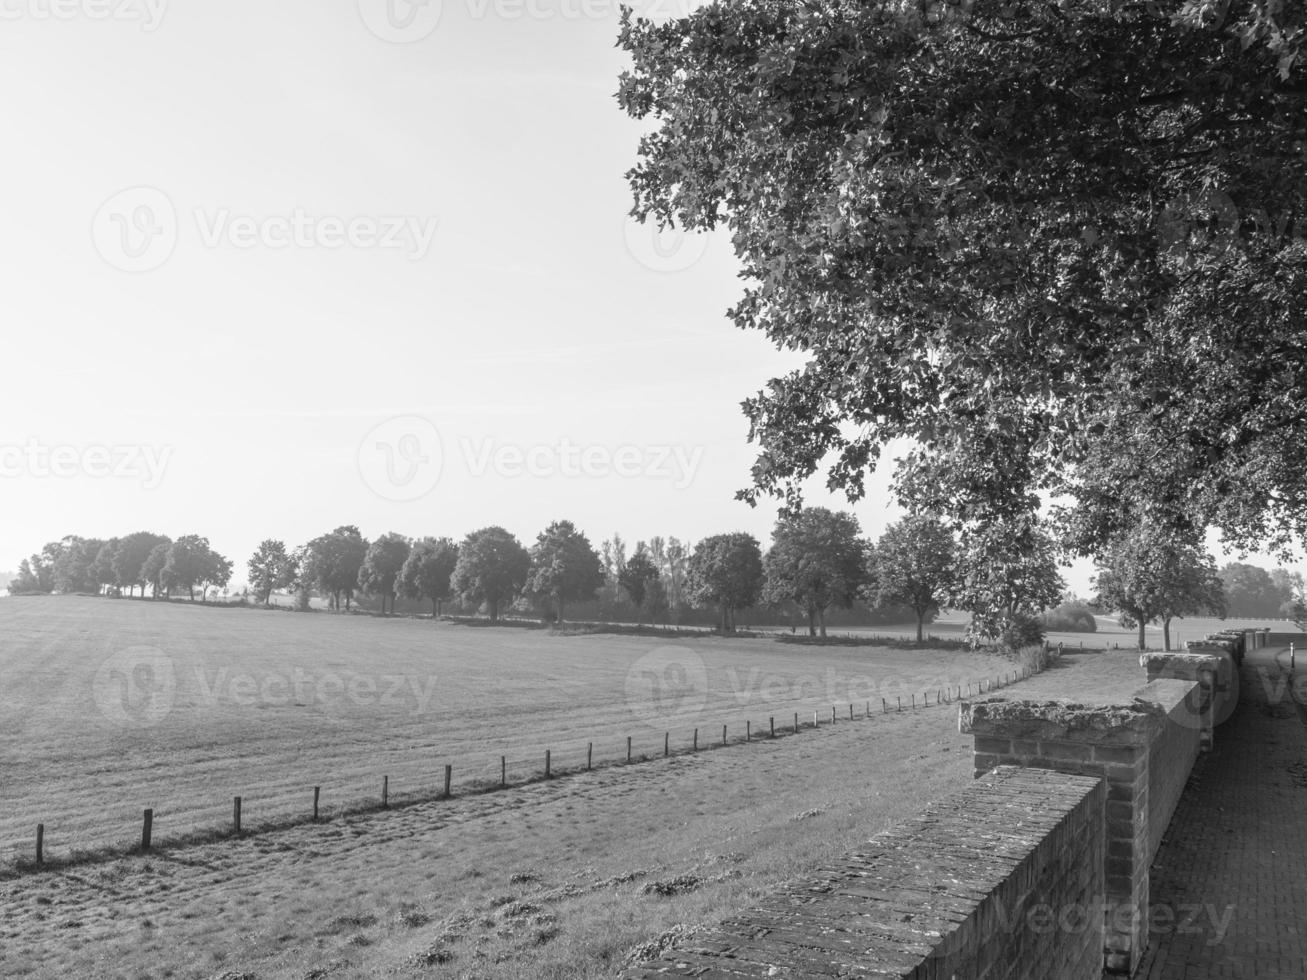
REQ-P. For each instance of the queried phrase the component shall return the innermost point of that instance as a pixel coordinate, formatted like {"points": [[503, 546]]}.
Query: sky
{"points": [[274, 268]]}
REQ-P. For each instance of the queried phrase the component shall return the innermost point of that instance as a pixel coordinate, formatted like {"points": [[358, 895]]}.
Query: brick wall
{"points": [[1172, 754], [1002, 881], [1143, 751]]}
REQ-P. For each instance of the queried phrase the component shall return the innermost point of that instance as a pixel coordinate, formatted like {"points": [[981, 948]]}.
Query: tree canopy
{"points": [[564, 567], [1253, 591], [492, 568], [1060, 246], [1152, 576], [427, 571], [914, 564], [271, 567], [333, 563], [818, 559], [725, 570], [381, 566]]}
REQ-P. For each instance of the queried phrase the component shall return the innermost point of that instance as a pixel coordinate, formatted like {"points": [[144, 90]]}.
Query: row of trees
{"points": [[136, 562], [818, 560]]}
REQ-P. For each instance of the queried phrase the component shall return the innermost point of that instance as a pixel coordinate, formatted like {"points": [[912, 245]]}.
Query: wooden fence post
{"points": [[748, 730], [385, 791], [773, 726], [696, 740], [796, 723], [667, 744], [723, 734], [147, 829], [40, 843], [317, 790], [546, 763], [589, 756], [832, 714], [628, 748], [503, 773], [236, 815]]}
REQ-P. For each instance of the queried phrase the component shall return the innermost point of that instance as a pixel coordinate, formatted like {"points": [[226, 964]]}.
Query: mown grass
{"points": [[395, 697]]}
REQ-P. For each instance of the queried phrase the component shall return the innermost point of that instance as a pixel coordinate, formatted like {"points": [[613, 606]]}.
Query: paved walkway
{"points": [[1229, 886]]}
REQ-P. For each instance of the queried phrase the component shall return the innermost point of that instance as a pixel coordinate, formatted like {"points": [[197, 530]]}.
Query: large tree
{"points": [[271, 567], [130, 556], [1251, 591], [637, 575], [26, 582], [427, 571], [73, 563], [191, 563], [1058, 245], [915, 564], [1151, 575], [334, 561], [565, 567], [152, 569], [101, 571], [818, 559], [725, 571], [1006, 576], [379, 573], [492, 569]]}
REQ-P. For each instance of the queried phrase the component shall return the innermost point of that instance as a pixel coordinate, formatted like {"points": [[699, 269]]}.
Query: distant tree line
{"points": [[817, 565], [135, 562]]}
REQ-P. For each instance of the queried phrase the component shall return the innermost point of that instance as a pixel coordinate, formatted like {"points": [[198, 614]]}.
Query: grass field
{"points": [[113, 706]]}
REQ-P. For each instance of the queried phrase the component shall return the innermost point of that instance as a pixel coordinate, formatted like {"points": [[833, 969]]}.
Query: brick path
{"points": [[1236, 851]]}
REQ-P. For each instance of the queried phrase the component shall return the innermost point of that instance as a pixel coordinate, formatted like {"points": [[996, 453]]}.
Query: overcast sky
{"points": [[273, 268]]}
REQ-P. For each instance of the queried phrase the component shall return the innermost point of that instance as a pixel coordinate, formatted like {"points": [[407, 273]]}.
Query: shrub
{"points": [[1035, 657], [1022, 631], [1070, 617]]}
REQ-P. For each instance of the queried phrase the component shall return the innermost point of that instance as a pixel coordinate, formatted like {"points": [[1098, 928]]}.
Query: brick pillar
{"points": [[1200, 667], [1225, 694], [1110, 742]]}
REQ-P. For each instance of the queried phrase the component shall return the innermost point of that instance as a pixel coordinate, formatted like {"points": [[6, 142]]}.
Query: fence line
{"points": [[543, 767]]}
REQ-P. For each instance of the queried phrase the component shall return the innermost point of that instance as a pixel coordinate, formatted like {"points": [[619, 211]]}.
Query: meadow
{"points": [[113, 706]]}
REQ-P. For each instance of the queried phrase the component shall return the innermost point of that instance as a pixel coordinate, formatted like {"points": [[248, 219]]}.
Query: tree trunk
{"points": [[1166, 633], [812, 620], [821, 618], [723, 619], [921, 620], [435, 609], [494, 610], [1141, 633], [560, 612]]}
